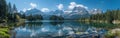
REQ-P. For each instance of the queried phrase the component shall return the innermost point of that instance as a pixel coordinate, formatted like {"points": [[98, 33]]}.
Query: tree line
{"points": [[34, 17], [40, 17], [8, 12], [109, 16]]}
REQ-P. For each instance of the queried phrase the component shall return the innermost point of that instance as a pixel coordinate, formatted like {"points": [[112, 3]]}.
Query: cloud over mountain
{"points": [[45, 10], [74, 4], [33, 5], [60, 6]]}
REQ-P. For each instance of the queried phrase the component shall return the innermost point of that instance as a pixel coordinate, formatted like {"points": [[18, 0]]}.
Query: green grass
{"points": [[4, 33]]}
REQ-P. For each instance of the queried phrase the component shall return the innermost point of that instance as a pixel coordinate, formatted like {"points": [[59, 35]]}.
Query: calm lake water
{"points": [[50, 29]]}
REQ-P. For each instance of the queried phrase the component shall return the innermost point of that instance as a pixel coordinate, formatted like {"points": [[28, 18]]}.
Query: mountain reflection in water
{"points": [[54, 29]]}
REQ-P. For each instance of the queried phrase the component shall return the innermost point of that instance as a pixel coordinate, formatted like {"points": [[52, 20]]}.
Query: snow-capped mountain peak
{"points": [[76, 13], [95, 11]]}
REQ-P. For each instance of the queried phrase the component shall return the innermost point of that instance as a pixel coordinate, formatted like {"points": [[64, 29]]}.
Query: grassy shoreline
{"points": [[5, 28], [4, 32]]}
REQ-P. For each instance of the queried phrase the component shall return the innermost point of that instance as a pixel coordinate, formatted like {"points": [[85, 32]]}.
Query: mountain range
{"points": [[75, 13]]}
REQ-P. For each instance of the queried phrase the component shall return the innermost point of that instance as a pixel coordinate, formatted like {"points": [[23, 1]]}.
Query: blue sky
{"points": [[65, 4]]}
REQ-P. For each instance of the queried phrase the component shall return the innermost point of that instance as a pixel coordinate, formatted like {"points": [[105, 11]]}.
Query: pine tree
{"points": [[14, 9], [3, 10], [109, 16], [9, 8], [118, 11]]}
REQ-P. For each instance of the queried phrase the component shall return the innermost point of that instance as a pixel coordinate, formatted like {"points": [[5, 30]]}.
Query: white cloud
{"points": [[60, 6], [73, 4], [33, 5], [45, 10]]}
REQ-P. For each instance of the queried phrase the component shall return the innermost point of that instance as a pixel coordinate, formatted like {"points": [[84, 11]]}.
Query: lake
{"points": [[61, 29]]}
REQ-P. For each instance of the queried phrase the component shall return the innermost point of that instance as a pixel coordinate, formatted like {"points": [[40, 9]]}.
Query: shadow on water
{"points": [[56, 23], [102, 25], [34, 23]]}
